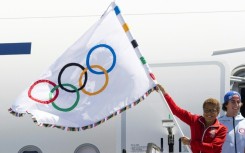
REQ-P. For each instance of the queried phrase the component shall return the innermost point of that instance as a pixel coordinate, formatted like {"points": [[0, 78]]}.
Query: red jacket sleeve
{"points": [[214, 146], [182, 114]]}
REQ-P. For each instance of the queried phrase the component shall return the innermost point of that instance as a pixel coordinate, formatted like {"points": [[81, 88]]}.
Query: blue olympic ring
{"points": [[90, 52]]}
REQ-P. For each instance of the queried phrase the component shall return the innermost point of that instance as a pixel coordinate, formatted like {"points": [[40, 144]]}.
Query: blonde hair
{"points": [[212, 101]]}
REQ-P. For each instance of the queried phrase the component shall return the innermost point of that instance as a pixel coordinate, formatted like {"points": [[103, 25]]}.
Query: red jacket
{"points": [[203, 140]]}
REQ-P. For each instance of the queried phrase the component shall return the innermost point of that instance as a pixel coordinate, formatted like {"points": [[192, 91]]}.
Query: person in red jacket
{"points": [[207, 133]]}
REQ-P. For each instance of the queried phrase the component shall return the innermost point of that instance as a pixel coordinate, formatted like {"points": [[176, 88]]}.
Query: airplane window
{"points": [[30, 149], [87, 148]]}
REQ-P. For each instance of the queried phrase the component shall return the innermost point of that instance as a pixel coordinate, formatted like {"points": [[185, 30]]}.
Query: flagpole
{"points": [[174, 118], [135, 45], [175, 121], [131, 39]]}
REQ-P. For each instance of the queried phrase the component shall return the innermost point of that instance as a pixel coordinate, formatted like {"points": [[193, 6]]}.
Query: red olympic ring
{"points": [[42, 101]]}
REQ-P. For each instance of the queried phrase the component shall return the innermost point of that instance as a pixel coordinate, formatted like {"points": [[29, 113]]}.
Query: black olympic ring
{"points": [[62, 70]]}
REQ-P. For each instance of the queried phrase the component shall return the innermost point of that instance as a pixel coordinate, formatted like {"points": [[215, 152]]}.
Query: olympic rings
{"points": [[90, 52], [70, 108], [81, 84], [103, 87], [42, 101], [62, 70]]}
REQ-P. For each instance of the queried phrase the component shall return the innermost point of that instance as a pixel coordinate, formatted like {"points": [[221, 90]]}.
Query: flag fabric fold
{"points": [[101, 75]]}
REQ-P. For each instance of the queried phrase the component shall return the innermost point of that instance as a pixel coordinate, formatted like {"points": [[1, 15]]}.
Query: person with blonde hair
{"points": [[207, 133]]}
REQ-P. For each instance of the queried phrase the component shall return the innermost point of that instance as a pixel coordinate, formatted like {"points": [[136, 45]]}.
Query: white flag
{"points": [[98, 77]]}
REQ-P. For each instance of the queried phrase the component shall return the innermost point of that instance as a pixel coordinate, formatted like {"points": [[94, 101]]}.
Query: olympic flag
{"points": [[98, 77]]}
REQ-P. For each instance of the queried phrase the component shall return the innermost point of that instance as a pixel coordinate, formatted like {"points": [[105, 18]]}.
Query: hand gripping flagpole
{"points": [[135, 45]]}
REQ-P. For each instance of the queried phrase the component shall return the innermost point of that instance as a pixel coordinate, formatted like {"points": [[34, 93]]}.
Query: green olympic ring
{"points": [[65, 109]]}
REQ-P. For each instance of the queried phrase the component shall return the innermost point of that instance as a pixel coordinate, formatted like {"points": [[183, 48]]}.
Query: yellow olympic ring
{"points": [[103, 87]]}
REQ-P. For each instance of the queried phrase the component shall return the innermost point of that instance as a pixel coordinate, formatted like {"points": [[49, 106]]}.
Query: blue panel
{"points": [[15, 48], [117, 10]]}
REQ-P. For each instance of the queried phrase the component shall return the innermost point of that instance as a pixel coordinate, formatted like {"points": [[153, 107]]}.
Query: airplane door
{"points": [[238, 83], [189, 83]]}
